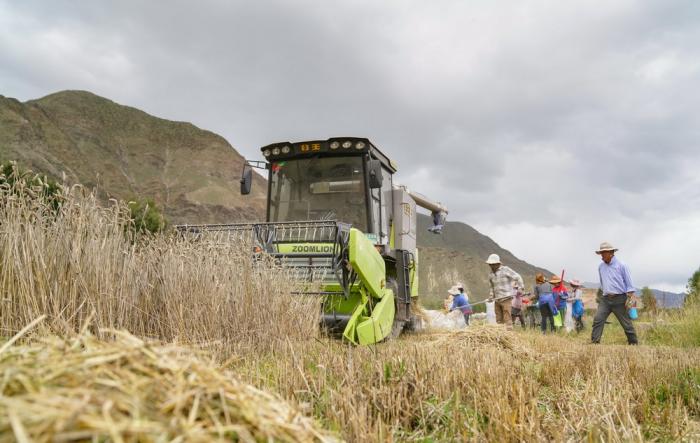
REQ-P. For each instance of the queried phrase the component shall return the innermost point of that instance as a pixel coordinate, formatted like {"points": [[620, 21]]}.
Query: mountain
{"points": [[664, 299], [459, 255], [192, 173]]}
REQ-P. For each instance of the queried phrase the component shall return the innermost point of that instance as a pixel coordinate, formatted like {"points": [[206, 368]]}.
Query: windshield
{"points": [[330, 188]]}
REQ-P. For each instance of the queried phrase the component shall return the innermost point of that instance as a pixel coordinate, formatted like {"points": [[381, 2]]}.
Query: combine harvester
{"points": [[337, 221]]}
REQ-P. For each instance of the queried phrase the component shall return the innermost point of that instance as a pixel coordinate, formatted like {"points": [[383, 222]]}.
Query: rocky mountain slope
{"points": [[459, 254], [127, 153], [193, 175]]}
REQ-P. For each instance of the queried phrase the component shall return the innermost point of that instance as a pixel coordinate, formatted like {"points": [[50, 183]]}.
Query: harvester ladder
{"points": [[405, 259]]}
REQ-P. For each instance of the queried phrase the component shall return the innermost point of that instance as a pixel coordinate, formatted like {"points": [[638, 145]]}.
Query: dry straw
{"points": [[78, 268], [476, 336], [127, 389], [79, 262]]}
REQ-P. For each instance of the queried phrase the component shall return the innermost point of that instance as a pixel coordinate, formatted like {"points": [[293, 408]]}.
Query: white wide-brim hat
{"points": [[493, 259], [605, 246]]}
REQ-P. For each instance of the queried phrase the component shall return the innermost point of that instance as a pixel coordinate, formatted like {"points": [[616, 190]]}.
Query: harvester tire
{"points": [[398, 326], [414, 324]]}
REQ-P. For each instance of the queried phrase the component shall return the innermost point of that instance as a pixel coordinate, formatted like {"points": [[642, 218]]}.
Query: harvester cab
{"points": [[339, 223]]}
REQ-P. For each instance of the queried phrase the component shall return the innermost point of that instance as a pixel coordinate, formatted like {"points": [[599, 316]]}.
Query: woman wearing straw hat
{"points": [[618, 290]]}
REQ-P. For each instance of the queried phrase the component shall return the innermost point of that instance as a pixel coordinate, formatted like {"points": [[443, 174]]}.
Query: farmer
{"points": [[560, 294], [545, 301], [577, 304], [461, 302], [532, 311], [617, 291], [502, 280], [516, 308]]}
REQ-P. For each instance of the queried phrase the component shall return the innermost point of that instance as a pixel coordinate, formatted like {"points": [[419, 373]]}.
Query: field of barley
{"points": [[112, 335]]}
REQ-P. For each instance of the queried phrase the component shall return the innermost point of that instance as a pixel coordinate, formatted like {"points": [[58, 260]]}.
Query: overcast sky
{"points": [[549, 126]]}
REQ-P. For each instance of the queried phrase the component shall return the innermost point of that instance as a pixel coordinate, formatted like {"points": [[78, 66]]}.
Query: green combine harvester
{"points": [[338, 222]]}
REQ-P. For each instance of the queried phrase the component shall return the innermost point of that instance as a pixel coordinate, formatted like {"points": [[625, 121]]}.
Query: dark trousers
{"points": [[546, 316], [466, 319], [532, 317], [516, 313], [616, 305]]}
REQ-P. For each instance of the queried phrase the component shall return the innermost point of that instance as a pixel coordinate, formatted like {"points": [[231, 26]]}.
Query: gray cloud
{"points": [[576, 120]]}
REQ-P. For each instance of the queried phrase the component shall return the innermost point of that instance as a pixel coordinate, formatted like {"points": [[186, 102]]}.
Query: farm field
{"points": [[110, 336]]}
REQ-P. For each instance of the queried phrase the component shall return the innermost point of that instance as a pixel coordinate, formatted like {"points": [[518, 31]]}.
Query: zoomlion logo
{"points": [[312, 248]]}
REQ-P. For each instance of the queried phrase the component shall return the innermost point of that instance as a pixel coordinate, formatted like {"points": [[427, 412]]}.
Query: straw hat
{"points": [[493, 259], [539, 278], [575, 282], [555, 279], [459, 285], [452, 291], [605, 246]]}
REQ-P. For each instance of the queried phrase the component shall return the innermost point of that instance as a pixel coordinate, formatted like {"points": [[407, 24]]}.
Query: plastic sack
{"points": [[578, 308], [632, 313], [490, 313], [568, 317]]}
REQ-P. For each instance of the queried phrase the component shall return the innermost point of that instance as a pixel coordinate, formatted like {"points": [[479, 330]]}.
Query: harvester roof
{"points": [[336, 146]]}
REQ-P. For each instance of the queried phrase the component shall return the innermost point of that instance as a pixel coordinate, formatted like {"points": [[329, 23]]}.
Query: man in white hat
{"points": [[616, 286], [503, 281]]}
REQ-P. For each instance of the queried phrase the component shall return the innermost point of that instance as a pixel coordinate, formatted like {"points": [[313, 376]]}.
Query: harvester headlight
{"points": [[347, 144], [335, 145], [266, 152], [285, 149], [276, 151], [360, 145]]}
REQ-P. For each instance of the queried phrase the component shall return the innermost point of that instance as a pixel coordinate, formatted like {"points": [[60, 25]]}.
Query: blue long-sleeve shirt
{"points": [[615, 277], [459, 302]]}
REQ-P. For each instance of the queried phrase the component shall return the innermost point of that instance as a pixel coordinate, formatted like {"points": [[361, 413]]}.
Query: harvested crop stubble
{"points": [[482, 335], [126, 389]]}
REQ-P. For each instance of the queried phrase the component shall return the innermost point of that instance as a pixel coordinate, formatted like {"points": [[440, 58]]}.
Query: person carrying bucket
{"points": [[618, 293]]}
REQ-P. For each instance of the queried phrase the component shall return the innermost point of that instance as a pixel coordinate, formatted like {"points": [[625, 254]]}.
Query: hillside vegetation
{"points": [[459, 255], [202, 313], [191, 173]]}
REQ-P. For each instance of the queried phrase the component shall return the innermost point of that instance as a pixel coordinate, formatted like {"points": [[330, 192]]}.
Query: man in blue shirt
{"points": [[617, 289]]}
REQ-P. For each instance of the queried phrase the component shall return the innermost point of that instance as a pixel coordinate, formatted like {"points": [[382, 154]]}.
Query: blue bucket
{"points": [[633, 313]]}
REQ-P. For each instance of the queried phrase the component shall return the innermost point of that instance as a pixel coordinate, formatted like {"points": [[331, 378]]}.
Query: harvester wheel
{"points": [[415, 324], [396, 329], [398, 326]]}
